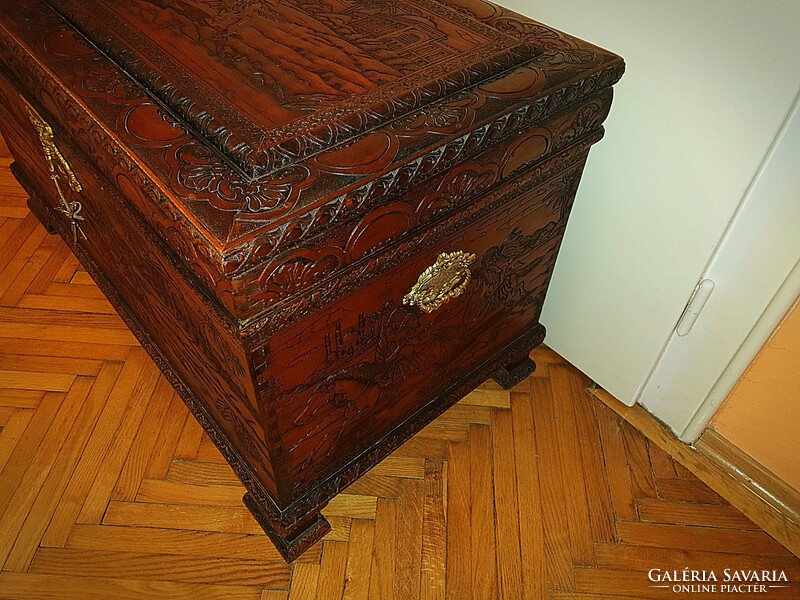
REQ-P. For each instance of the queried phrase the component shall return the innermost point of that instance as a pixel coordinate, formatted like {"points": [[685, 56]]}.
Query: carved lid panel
{"points": [[270, 82]]}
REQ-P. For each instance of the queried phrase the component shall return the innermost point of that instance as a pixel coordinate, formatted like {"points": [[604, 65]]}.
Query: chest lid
{"points": [[270, 82], [253, 130]]}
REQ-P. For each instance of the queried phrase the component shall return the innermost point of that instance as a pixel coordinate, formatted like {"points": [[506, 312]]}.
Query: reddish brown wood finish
{"points": [[264, 192]]}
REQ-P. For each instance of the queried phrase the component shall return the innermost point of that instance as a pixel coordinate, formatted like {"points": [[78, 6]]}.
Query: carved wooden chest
{"points": [[326, 220]]}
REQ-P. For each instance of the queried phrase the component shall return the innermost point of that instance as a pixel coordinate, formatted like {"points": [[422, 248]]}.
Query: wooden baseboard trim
{"points": [[764, 483], [758, 493]]}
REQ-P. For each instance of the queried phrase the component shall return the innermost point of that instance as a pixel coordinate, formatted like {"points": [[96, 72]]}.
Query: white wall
{"points": [[708, 84]]}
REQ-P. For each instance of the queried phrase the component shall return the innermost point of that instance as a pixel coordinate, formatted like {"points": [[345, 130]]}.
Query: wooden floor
{"points": [[108, 488]]}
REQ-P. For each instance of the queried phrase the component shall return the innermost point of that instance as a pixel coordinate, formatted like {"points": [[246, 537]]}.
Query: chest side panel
{"points": [[185, 327]]}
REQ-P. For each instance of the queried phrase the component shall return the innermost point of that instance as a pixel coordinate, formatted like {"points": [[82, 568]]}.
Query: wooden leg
{"points": [[291, 541], [42, 214], [512, 374]]}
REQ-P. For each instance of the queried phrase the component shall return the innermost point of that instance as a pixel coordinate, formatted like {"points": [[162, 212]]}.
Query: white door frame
{"points": [[756, 278], [764, 328]]}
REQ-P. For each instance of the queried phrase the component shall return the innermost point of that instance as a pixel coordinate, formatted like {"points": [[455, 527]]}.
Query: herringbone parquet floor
{"points": [[108, 488]]}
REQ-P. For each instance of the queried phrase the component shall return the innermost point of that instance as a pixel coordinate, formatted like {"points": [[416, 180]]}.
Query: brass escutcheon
{"points": [[58, 167], [447, 278]]}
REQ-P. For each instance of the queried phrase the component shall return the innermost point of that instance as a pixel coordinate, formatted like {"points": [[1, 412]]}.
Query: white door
{"points": [[708, 86], [755, 277]]}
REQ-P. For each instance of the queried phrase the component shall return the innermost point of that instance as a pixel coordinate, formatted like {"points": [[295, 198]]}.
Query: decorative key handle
{"points": [[59, 167], [447, 278]]}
